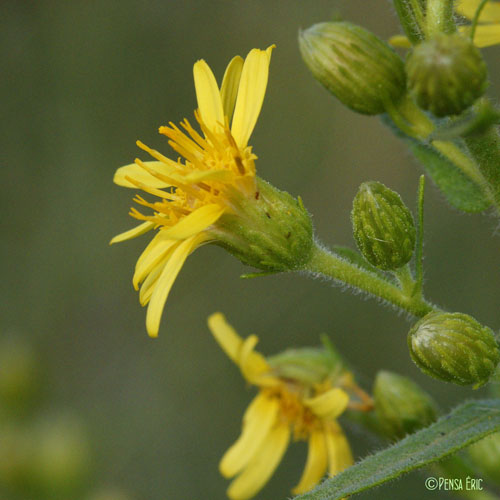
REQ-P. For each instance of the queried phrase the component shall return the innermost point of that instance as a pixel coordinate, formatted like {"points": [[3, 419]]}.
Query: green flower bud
{"points": [[485, 455], [454, 347], [272, 232], [383, 226], [401, 406], [307, 364], [446, 74], [361, 70]]}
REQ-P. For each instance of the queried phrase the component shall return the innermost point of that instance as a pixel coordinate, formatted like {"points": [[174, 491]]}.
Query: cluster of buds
{"points": [[452, 347], [445, 74]]}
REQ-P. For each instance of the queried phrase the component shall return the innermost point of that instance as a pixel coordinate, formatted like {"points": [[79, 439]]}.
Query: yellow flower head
{"points": [[488, 28], [215, 172], [285, 407]]}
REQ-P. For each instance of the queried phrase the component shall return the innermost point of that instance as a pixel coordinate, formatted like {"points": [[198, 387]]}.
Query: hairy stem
{"points": [[332, 266], [439, 17]]}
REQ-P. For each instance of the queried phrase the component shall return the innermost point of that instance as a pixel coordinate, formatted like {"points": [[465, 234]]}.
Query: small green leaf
{"points": [[460, 191], [465, 425]]}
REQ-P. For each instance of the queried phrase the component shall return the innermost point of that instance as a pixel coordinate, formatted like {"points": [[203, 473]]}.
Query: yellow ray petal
{"points": [[166, 280], [490, 12], [338, 449], [138, 173], [251, 91], [225, 335], [262, 466], [258, 423], [151, 256], [195, 222], [330, 404], [253, 365], [230, 83], [149, 284], [134, 232], [487, 35], [208, 175], [400, 41], [317, 460], [208, 95]]}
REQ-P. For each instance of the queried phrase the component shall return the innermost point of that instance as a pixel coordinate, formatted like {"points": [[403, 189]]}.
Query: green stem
{"points": [[439, 17], [332, 266], [406, 280]]}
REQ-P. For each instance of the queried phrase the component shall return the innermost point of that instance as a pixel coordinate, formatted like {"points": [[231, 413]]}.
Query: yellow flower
{"points": [[284, 407], [488, 28], [216, 171]]}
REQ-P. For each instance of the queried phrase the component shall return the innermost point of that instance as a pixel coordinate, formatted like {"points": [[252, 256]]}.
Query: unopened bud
{"points": [[446, 74], [272, 232], [454, 347], [361, 70], [383, 226], [308, 365], [401, 406]]}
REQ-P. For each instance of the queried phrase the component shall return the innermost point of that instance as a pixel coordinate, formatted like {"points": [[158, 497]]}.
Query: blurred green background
{"points": [[81, 81]]}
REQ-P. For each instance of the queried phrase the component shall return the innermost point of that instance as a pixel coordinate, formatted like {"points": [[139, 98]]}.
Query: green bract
{"points": [[454, 347], [383, 226], [401, 406], [272, 231], [361, 70], [446, 74]]}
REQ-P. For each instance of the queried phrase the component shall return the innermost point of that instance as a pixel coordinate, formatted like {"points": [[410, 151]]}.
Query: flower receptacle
{"points": [[271, 231]]}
